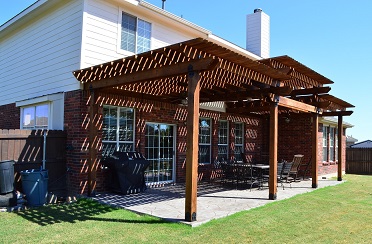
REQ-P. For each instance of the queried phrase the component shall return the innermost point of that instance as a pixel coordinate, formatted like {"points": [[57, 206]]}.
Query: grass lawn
{"points": [[338, 214]]}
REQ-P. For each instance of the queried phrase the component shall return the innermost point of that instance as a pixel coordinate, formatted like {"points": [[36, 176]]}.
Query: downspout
{"points": [[44, 149]]}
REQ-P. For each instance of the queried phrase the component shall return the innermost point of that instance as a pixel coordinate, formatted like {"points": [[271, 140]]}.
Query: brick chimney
{"points": [[258, 33]]}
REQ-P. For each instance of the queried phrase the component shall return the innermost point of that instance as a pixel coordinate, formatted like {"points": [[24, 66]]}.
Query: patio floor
{"points": [[168, 202]]}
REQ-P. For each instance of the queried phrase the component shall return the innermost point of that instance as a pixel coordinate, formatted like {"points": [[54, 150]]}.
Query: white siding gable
{"points": [[101, 33], [39, 58]]}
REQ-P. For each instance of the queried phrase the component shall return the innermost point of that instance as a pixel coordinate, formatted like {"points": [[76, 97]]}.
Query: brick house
{"points": [[115, 75]]}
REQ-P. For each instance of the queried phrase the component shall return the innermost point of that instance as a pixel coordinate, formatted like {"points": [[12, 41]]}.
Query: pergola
{"points": [[201, 71]]}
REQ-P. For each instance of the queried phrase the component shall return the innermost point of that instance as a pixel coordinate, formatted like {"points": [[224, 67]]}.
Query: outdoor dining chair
{"points": [[285, 175], [297, 159], [304, 169]]}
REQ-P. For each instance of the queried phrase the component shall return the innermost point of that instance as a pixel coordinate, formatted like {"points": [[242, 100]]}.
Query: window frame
{"points": [[221, 145], [119, 44], [325, 143], [117, 140], [237, 154], [205, 144], [35, 126]]}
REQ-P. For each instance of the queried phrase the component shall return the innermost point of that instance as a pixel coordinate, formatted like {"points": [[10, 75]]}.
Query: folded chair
{"points": [[305, 169], [285, 175], [297, 159]]}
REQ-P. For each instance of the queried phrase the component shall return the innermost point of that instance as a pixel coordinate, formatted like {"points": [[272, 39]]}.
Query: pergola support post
{"points": [[340, 151], [273, 151], [314, 157], [93, 131], [192, 145]]}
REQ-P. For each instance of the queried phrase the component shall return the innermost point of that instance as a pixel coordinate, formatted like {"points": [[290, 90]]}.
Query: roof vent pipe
{"points": [[163, 4]]}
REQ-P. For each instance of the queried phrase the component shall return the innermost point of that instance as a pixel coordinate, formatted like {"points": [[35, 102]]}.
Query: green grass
{"points": [[339, 214]]}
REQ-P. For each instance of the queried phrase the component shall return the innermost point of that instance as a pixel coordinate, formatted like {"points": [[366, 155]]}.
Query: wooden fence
{"points": [[26, 148], [359, 161]]}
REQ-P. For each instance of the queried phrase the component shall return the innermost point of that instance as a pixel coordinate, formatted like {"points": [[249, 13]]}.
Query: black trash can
{"points": [[6, 176], [128, 171], [35, 186]]}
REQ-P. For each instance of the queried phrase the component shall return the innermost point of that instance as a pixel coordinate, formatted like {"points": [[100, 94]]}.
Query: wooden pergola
{"points": [[201, 71]]}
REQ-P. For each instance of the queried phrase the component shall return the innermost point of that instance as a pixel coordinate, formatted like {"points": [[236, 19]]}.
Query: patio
{"points": [[214, 200]]}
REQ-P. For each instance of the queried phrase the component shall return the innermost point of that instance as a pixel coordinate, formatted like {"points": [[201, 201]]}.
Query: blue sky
{"points": [[333, 37]]}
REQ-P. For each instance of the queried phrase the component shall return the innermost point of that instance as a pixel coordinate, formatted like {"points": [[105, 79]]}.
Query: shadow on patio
{"points": [[214, 200]]}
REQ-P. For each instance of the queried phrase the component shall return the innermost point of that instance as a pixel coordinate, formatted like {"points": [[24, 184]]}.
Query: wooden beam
{"points": [[337, 113], [311, 91], [314, 147], [248, 109], [273, 151], [192, 146], [324, 104], [296, 105], [340, 151], [154, 74]]}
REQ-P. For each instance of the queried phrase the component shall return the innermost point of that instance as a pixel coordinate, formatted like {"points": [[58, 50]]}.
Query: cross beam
{"points": [[156, 73]]}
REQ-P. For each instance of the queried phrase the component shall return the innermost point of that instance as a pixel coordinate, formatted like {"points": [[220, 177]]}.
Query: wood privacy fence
{"points": [[26, 148], [359, 161]]}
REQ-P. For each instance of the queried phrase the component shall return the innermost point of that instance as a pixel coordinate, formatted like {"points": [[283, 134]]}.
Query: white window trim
{"points": [[55, 109], [243, 137], [118, 46], [117, 142], [210, 140], [227, 144]]}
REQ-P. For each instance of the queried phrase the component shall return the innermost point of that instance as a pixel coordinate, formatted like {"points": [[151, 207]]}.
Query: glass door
{"points": [[159, 148]]}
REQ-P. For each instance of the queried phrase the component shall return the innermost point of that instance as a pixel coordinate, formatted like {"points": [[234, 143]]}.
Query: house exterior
{"points": [[51, 51]]}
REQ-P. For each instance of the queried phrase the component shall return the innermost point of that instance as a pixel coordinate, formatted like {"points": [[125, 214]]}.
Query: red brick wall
{"points": [[10, 116], [76, 125]]}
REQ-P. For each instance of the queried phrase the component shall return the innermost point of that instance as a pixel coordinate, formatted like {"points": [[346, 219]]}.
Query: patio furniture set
{"points": [[244, 173]]}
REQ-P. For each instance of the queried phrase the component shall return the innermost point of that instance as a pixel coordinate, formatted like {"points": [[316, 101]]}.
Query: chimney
{"points": [[258, 33]]}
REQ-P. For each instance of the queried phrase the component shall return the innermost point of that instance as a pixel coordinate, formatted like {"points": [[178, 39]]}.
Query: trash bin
{"points": [[128, 171], [35, 186], [6, 176]]}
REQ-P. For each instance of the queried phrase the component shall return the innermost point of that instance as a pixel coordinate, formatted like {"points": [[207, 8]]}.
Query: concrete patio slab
{"points": [[168, 202]]}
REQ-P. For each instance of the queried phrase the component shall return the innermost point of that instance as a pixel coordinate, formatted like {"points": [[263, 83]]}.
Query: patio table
{"points": [[261, 168]]}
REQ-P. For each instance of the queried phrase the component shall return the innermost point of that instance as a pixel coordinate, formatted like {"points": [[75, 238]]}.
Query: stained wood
{"points": [[192, 147], [293, 104], [339, 149], [314, 155], [273, 151]]}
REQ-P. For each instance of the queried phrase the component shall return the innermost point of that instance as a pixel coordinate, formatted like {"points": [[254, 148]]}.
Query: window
{"points": [[325, 143], [223, 140], [336, 144], [239, 140], [332, 144], [117, 129], [204, 141], [135, 34], [35, 117]]}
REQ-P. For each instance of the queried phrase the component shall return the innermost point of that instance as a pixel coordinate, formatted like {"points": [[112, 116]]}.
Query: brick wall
{"points": [[10, 116], [77, 120]]}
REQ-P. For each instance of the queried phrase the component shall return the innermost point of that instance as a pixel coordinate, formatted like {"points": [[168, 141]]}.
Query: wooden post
{"points": [[192, 144], [273, 151], [340, 154], [314, 156], [93, 115]]}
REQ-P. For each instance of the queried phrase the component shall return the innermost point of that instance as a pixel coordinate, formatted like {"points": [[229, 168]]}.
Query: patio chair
{"points": [[279, 170], [297, 159], [285, 175], [304, 169], [228, 173], [247, 174]]}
